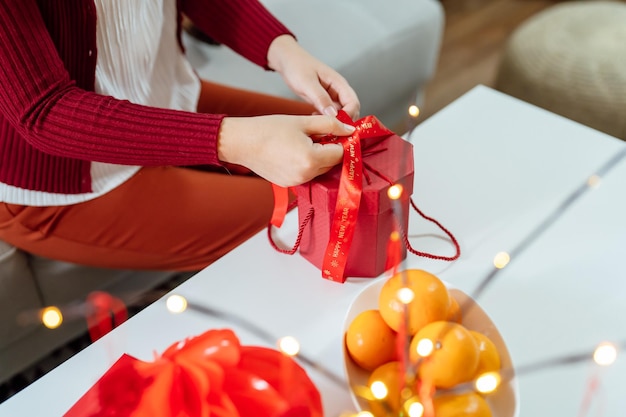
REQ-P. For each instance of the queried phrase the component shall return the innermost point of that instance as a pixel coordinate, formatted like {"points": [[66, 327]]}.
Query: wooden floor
{"points": [[474, 36]]}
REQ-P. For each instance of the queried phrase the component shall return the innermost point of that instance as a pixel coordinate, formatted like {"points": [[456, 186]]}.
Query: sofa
{"points": [[387, 51]]}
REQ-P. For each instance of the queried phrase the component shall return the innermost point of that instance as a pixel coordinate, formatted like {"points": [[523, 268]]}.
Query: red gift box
{"points": [[350, 226], [388, 162]]}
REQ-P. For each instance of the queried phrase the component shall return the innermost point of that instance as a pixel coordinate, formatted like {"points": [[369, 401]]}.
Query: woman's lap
{"points": [[163, 218]]}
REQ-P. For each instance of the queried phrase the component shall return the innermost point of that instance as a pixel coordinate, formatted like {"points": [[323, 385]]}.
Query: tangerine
{"points": [[390, 374], [429, 300], [453, 355], [369, 341], [468, 404], [488, 355], [454, 312]]}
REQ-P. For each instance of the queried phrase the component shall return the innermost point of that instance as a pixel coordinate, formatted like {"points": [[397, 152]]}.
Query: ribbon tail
{"points": [[346, 212], [281, 203]]}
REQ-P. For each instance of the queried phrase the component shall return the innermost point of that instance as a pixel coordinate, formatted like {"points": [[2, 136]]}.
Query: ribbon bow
{"points": [[369, 130], [210, 375]]}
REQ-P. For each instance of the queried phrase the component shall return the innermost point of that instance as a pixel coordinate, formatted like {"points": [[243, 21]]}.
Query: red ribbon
{"points": [[349, 195], [350, 189]]}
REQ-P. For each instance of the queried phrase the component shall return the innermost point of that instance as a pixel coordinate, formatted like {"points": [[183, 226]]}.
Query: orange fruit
{"points": [[454, 356], [430, 302], [389, 374], [369, 341], [454, 312], [467, 404], [488, 355]]}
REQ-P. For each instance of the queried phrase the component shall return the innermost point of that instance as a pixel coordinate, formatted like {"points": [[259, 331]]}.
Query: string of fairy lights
{"points": [[604, 354]]}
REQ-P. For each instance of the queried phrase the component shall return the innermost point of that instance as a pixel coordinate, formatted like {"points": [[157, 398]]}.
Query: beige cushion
{"points": [[571, 59]]}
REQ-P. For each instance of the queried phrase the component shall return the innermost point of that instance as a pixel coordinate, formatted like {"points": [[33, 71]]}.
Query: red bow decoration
{"points": [[210, 375], [369, 131]]}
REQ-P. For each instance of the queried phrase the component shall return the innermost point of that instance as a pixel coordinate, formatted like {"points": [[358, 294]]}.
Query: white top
{"points": [[150, 69]]}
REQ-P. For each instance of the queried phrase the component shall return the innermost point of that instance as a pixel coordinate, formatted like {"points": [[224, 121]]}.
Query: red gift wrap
{"points": [[210, 375]]}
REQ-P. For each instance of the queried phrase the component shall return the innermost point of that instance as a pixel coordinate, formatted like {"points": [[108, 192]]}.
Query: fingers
{"points": [[328, 156], [353, 109], [349, 101], [324, 125], [340, 94], [320, 98]]}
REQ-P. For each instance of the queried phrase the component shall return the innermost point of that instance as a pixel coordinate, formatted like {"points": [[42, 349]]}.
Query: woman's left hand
{"points": [[311, 79]]}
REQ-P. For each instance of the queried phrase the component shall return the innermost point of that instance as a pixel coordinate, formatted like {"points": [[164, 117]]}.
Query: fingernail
{"points": [[349, 128], [330, 111]]}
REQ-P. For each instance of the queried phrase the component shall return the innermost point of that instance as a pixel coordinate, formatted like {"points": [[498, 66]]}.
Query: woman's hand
{"points": [[279, 148], [311, 79]]}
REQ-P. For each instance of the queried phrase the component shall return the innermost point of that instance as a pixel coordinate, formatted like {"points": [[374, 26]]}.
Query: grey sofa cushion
{"points": [[62, 283], [18, 293], [28, 283]]}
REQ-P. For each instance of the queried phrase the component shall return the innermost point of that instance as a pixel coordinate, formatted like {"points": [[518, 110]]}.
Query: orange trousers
{"points": [[163, 218]]}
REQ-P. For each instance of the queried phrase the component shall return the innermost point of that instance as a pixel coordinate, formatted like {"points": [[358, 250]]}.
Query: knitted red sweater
{"points": [[52, 124]]}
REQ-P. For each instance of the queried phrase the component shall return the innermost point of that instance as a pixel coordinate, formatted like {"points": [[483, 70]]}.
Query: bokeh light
{"points": [[594, 181], [414, 111], [501, 260], [488, 382], [51, 317], [364, 414], [289, 345], [176, 304], [425, 347], [414, 408], [395, 191], [405, 295], [379, 390], [605, 354]]}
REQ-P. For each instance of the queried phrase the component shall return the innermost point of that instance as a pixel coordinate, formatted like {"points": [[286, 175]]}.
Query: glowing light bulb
{"points": [[379, 390], [364, 414], [405, 295], [289, 346], [605, 354], [488, 382], [176, 304], [425, 347], [51, 317], [395, 191], [501, 260], [414, 111], [415, 409], [594, 181]]}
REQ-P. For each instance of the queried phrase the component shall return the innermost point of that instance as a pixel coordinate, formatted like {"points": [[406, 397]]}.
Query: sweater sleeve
{"points": [[245, 26], [40, 101]]}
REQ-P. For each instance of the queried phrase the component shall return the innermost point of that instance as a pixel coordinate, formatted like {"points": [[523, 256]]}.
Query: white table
{"points": [[491, 169]]}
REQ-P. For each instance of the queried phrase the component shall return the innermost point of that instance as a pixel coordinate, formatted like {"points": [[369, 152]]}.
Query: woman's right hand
{"points": [[279, 148]]}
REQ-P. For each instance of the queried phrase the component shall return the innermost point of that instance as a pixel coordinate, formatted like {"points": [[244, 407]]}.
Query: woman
{"points": [[101, 117]]}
